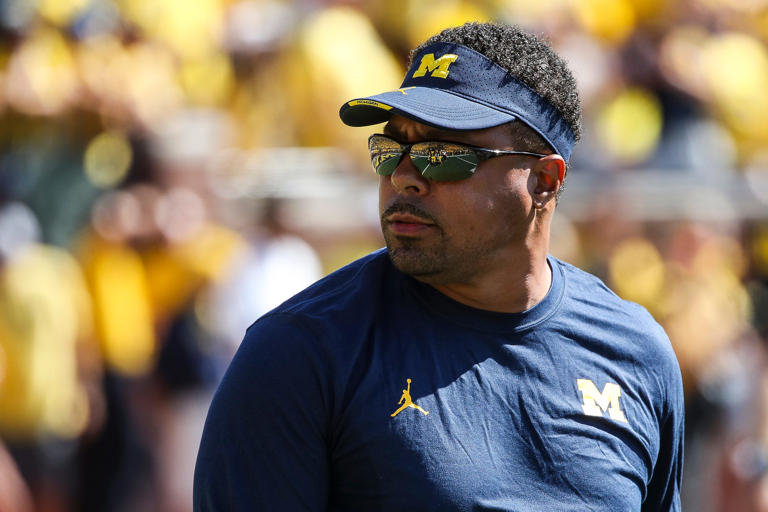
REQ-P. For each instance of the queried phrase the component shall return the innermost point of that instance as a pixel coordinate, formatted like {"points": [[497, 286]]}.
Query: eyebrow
{"points": [[432, 134], [387, 130]]}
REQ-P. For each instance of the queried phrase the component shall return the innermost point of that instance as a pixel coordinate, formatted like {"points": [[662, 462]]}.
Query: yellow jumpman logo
{"points": [[407, 402], [405, 89]]}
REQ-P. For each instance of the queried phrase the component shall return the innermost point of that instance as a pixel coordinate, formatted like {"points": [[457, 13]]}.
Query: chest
{"points": [[488, 425]]}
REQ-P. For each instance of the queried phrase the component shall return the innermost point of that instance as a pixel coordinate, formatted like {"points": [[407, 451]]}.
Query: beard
{"points": [[410, 257], [435, 260]]}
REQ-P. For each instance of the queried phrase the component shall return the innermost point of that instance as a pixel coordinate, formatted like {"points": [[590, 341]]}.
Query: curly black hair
{"points": [[529, 58]]}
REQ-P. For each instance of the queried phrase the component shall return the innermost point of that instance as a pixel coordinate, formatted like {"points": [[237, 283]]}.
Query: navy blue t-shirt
{"points": [[371, 391]]}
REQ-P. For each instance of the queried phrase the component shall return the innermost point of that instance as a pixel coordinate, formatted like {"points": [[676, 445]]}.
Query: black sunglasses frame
{"points": [[482, 154]]}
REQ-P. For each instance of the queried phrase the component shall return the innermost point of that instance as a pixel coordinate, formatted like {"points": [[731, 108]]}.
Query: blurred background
{"points": [[170, 170]]}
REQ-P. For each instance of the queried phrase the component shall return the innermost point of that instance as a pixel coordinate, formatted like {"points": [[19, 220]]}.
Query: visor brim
{"points": [[429, 106]]}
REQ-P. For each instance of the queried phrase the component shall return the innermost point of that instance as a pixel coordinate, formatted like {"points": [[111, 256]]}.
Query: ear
{"points": [[549, 172]]}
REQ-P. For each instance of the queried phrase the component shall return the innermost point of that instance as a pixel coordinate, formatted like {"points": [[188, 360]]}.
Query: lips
{"points": [[407, 224], [404, 219], [407, 218]]}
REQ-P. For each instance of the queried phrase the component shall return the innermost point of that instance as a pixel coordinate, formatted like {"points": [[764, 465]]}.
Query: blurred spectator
{"points": [[47, 353], [276, 265], [149, 253]]}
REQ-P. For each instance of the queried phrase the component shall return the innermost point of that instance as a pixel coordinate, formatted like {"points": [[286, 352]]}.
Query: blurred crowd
{"points": [[170, 170]]}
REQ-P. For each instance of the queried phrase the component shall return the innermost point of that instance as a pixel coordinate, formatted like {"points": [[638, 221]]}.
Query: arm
{"points": [[664, 489], [14, 494], [264, 442]]}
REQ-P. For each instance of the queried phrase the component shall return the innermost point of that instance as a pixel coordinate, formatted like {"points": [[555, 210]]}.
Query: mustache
{"points": [[404, 207]]}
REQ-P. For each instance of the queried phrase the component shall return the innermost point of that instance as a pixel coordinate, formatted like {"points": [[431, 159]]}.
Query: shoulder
{"points": [[309, 340], [330, 309], [628, 341], [345, 288], [631, 329], [589, 296]]}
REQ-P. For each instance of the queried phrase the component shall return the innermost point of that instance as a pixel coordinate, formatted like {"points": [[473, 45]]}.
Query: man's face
{"points": [[450, 232]]}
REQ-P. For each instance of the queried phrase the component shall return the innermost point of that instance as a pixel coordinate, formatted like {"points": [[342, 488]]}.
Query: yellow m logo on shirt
{"points": [[595, 402], [438, 68]]}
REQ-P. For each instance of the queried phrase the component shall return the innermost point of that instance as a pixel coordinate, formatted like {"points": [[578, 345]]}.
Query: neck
{"points": [[516, 286]]}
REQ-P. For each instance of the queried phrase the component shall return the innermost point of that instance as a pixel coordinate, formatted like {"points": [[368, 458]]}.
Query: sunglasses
{"points": [[435, 160]]}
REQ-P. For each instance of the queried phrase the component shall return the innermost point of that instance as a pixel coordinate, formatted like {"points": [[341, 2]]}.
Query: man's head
{"points": [[470, 197]]}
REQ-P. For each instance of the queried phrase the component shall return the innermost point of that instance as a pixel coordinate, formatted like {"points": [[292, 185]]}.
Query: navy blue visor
{"points": [[453, 87]]}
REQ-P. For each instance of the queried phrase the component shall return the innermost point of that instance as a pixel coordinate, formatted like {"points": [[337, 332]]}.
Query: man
{"points": [[523, 383]]}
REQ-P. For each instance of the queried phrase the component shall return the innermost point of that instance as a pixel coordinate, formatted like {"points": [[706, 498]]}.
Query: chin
{"points": [[415, 262]]}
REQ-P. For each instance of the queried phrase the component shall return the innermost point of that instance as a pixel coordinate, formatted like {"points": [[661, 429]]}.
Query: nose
{"points": [[407, 179]]}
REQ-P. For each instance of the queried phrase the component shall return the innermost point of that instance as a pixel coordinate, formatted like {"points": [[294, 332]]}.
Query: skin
{"points": [[482, 241], [14, 494]]}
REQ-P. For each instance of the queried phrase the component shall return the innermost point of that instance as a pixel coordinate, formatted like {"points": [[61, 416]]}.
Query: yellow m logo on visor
{"points": [[596, 402], [437, 68]]}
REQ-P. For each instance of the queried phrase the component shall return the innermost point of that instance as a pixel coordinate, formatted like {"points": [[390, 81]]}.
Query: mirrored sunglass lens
{"points": [[444, 161], [385, 154]]}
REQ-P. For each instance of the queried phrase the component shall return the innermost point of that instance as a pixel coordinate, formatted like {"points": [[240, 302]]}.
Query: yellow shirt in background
{"points": [[45, 315]]}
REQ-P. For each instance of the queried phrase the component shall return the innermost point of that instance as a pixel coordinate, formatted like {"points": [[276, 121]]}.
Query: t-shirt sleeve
{"points": [[664, 489], [264, 442]]}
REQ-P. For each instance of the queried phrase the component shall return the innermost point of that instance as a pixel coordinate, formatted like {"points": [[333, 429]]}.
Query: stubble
{"points": [[436, 259]]}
